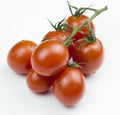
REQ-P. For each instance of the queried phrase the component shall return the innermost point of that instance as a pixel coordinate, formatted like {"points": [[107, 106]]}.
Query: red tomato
{"points": [[57, 35], [69, 86], [77, 21], [49, 58], [89, 56], [38, 83], [19, 56]]}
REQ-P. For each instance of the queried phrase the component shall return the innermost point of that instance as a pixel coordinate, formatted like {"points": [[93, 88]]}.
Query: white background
{"points": [[27, 19]]}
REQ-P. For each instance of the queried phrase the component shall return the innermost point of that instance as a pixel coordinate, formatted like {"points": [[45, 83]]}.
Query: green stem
{"points": [[83, 8], [91, 38], [73, 64], [67, 42]]}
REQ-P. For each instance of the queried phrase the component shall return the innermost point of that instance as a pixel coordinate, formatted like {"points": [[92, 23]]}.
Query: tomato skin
{"points": [[49, 58], [56, 35], [69, 87], [19, 56], [77, 21], [91, 55], [38, 83]]}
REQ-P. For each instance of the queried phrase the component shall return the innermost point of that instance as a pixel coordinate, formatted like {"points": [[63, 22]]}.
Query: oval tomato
{"points": [[74, 21], [19, 56], [69, 87], [56, 35], [90, 56], [38, 83], [49, 58]]}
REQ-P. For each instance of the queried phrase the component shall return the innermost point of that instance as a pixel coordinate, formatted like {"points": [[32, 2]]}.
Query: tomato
{"points": [[90, 56], [69, 87], [58, 35], [74, 21], [38, 83], [49, 58], [19, 56]]}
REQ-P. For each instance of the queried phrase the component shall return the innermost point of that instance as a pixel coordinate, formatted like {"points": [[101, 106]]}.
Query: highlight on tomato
{"points": [[19, 56], [49, 58], [69, 86]]}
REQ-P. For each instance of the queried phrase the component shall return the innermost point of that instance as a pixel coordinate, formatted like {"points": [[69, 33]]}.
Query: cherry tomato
{"points": [[58, 35], [89, 56], [77, 21], [19, 56], [38, 83], [49, 58], [69, 87]]}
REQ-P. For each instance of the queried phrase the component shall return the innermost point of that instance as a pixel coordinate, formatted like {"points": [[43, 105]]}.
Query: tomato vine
{"points": [[68, 41]]}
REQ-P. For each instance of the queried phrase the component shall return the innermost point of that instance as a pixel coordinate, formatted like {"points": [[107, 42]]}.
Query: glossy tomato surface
{"points": [[69, 87], [77, 21], [90, 56], [49, 58], [19, 56], [38, 83], [57, 35]]}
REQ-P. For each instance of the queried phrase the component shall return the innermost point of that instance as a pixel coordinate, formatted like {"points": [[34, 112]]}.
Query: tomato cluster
{"points": [[63, 58]]}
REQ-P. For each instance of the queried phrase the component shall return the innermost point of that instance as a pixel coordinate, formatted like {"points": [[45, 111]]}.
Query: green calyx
{"points": [[73, 64], [89, 38], [78, 11], [59, 25]]}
